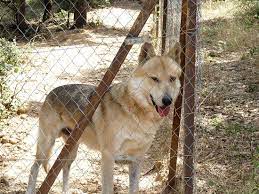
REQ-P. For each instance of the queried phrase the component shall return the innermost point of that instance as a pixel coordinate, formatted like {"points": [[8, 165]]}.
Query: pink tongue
{"points": [[163, 112]]}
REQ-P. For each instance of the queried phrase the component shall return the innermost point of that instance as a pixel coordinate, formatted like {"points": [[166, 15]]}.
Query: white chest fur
{"points": [[133, 138]]}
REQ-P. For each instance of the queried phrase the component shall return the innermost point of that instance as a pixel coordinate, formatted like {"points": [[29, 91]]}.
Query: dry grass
{"points": [[214, 10], [227, 137], [231, 25]]}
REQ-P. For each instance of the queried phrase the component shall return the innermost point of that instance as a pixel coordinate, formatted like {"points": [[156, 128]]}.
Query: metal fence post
{"points": [[189, 96], [171, 180], [164, 27]]}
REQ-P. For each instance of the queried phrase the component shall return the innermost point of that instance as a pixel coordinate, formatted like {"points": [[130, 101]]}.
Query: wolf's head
{"points": [[155, 82]]}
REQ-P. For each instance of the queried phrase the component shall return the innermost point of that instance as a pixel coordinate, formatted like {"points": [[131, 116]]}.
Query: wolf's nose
{"points": [[167, 100]]}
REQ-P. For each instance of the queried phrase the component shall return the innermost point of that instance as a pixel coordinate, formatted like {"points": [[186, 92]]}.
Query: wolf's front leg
{"points": [[134, 174], [107, 172]]}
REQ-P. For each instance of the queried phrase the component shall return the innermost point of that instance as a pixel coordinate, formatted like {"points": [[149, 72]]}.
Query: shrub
{"points": [[9, 60], [9, 57], [99, 3]]}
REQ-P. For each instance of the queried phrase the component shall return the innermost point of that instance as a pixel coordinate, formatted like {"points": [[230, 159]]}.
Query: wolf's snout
{"points": [[167, 100]]}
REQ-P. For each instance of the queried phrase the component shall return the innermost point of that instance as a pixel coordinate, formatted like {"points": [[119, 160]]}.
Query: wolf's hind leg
{"points": [[33, 177], [44, 147], [66, 169]]}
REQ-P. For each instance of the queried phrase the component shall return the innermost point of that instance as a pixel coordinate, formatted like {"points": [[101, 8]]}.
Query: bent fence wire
{"points": [[64, 42]]}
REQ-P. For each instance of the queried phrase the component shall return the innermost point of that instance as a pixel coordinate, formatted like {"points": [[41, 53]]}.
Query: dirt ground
{"points": [[227, 136], [227, 121]]}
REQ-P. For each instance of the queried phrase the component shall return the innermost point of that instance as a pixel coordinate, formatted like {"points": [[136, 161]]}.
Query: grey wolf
{"points": [[124, 124]]}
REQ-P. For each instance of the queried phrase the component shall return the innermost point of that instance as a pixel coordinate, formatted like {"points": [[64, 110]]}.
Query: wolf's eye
{"points": [[172, 78], [155, 79]]}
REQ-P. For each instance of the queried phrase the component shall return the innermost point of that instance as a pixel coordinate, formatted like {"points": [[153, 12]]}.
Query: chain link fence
{"points": [[50, 43]]}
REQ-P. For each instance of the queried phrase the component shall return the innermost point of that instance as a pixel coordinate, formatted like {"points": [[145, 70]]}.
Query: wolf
{"points": [[123, 125]]}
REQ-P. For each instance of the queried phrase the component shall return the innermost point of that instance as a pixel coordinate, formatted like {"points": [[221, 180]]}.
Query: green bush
{"points": [[99, 3], [9, 60], [9, 57]]}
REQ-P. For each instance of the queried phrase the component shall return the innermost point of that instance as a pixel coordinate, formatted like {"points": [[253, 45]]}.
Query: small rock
{"points": [[13, 141], [23, 116], [23, 109], [4, 181], [5, 140], [222, 42], [92, 188]]}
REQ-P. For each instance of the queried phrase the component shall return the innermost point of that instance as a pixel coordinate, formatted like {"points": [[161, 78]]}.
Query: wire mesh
{"points": [[212, 174], [74, 42]]}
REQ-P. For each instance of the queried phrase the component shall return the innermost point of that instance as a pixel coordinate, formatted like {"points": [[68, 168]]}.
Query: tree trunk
{"points": [[20, 16], [80, 10], [48, 10]]}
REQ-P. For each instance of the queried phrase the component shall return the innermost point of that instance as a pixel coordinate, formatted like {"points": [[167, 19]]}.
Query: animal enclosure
{"points": [[94, 42], [59, 53]]}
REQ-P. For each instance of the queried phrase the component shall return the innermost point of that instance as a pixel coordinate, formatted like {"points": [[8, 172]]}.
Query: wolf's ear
{"points": [[175, 52], [147, 51]]}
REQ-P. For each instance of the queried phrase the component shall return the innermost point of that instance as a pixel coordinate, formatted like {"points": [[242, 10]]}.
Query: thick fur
{"points": [[124, 124]]}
